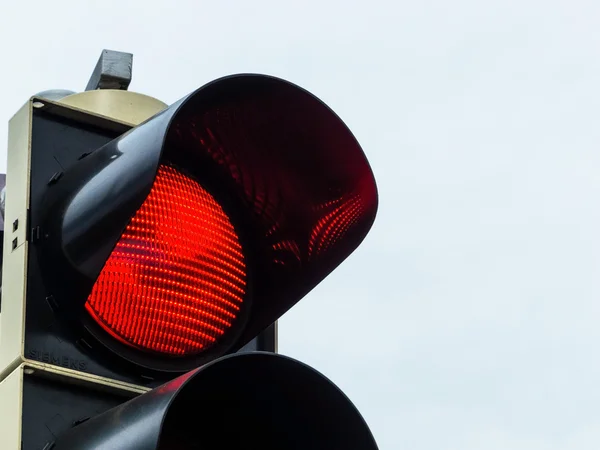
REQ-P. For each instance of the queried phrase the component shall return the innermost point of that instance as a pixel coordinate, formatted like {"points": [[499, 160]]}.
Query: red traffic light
{"points": [[176, 279], [185, 237], [139, 254]]}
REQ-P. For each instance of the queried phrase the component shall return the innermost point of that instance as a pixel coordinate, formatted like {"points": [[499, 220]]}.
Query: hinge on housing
{"points": [[35, 234]]}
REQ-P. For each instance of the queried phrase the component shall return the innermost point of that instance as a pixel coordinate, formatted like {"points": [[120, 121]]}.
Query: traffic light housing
{"points": [[250, 400], [138, 252]]}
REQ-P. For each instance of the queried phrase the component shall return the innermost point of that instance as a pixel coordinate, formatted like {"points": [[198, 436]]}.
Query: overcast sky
{"points": [[468, 319]]}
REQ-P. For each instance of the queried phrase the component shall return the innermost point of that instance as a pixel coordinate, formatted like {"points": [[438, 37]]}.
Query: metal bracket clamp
{"points": [[113, 71]]}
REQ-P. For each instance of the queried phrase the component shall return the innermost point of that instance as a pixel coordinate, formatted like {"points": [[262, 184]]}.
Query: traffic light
{"points": [[145, 246]]}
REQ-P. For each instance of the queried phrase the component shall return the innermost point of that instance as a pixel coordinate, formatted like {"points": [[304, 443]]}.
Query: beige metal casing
{"points": [[14, 267], [11, 410], [11, 395], [124, 106], [16, 246], [14, 273]]}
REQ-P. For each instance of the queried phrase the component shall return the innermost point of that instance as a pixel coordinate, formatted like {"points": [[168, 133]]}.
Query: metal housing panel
{"points": [[76, 377], [124, 106], [52, 404], [11, 410], [14, 273]]}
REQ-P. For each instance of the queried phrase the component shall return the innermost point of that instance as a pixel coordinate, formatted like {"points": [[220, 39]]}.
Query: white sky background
{"points": [[468, 319]]}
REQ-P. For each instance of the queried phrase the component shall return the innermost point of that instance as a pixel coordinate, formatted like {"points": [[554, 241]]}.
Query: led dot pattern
{"points": [[176, 280], [337, 218]]}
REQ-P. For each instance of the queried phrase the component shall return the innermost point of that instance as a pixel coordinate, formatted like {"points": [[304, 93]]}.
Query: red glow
{"points": [[336, 218], [176, 279]]}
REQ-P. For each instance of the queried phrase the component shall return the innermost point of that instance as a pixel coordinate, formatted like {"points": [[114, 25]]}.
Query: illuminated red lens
{"points": [[176, 279]]}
